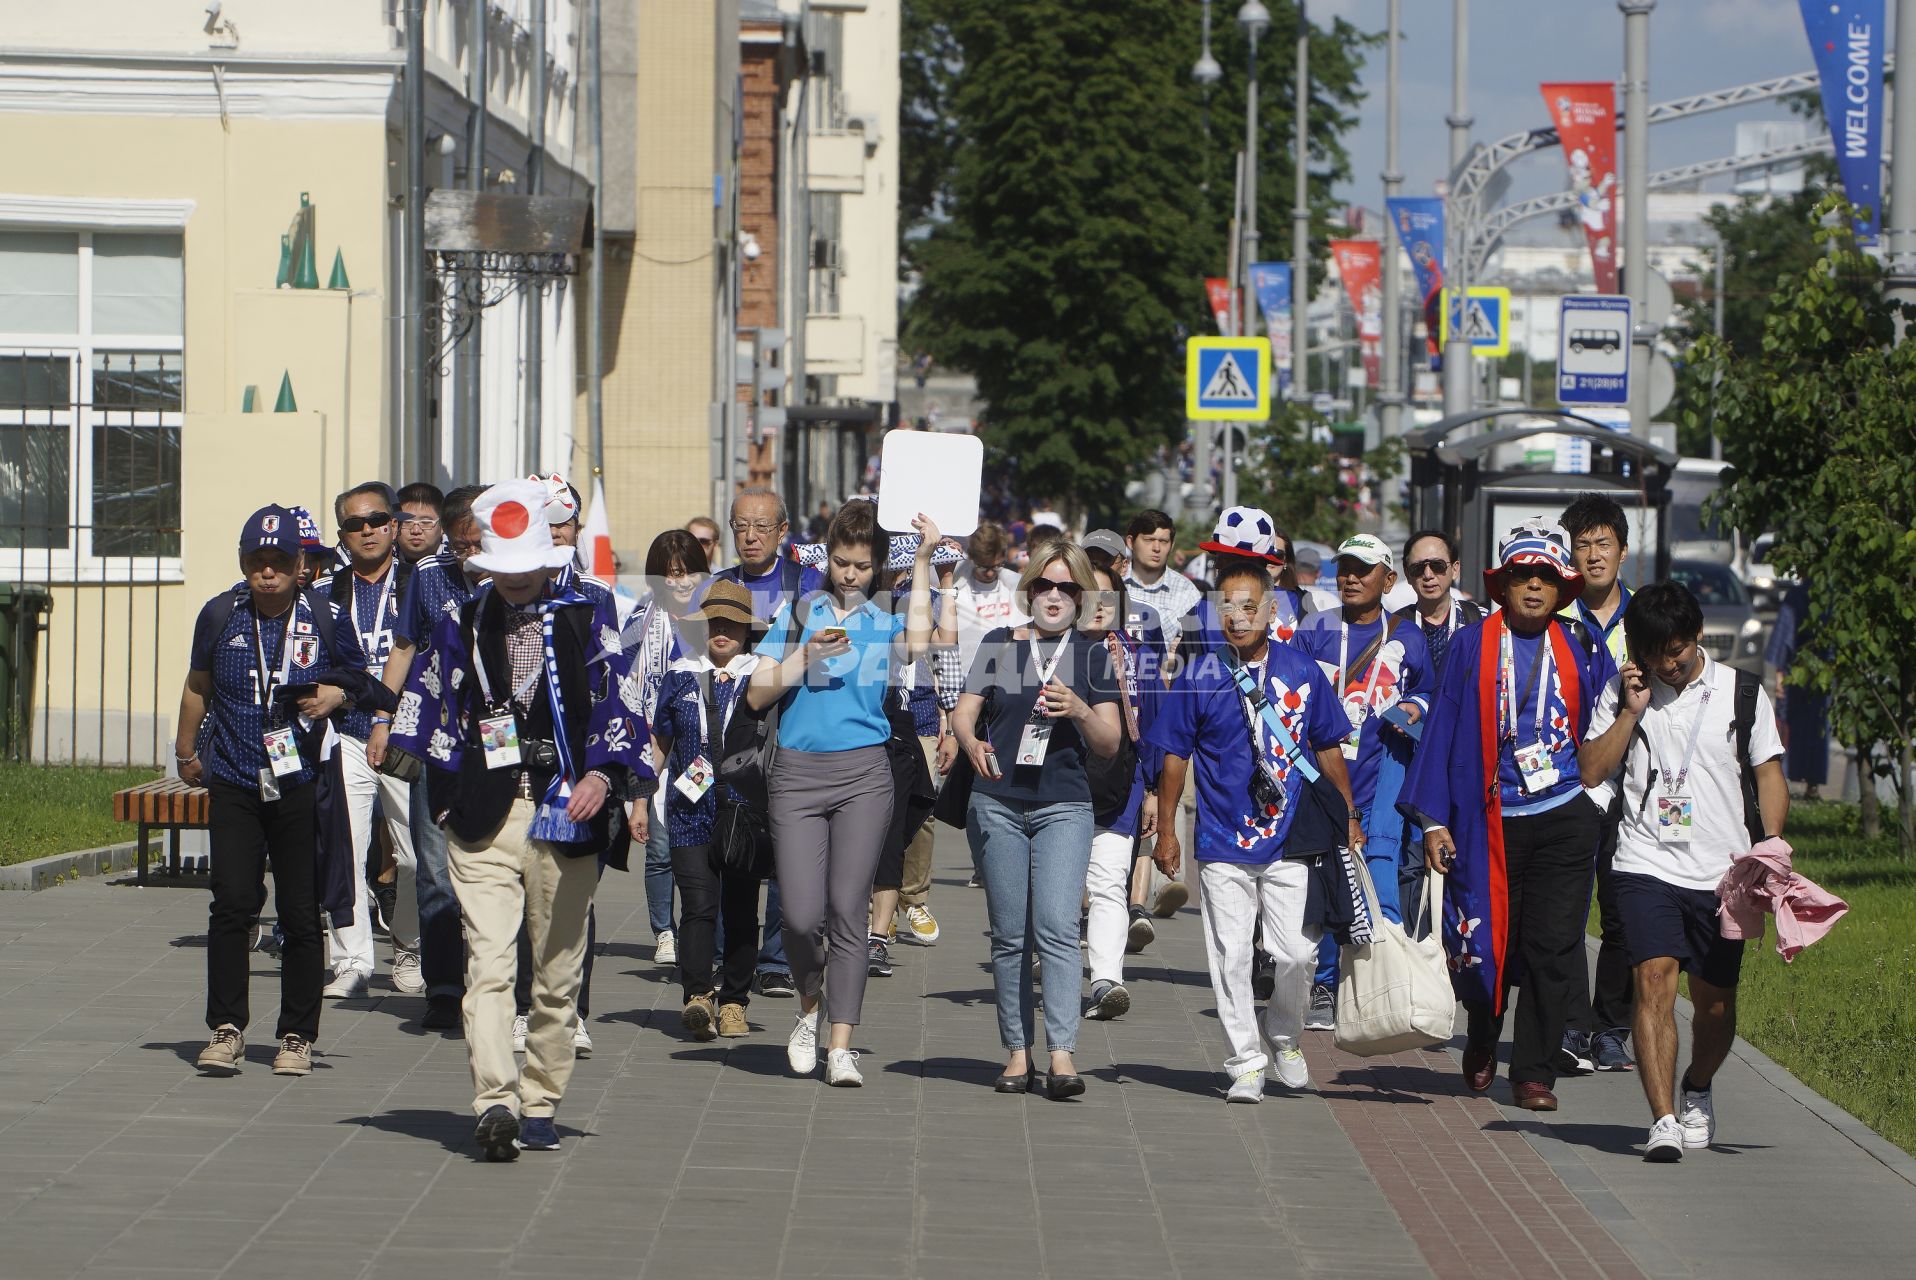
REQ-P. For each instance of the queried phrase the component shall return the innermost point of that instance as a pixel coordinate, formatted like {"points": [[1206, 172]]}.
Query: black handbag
{"points": [[954, 797], [742, 841]]}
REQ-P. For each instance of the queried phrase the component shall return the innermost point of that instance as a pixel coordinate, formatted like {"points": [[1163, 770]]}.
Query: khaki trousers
{"points": [[499, 883], [915, 886]]}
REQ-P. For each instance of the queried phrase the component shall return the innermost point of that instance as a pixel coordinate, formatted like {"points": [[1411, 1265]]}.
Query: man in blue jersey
{"points": [[1376, 662], [440, 585], [1250, 778]]}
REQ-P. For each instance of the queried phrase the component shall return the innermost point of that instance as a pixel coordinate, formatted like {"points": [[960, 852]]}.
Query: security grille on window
{"points": [[91, 396]]}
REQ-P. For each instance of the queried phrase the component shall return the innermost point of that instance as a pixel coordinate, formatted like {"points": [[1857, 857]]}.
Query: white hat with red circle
{"points": [[513, 534]]}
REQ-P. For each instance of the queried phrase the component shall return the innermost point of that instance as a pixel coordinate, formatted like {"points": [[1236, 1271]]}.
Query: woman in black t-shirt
{"points": [[1053, 697]]}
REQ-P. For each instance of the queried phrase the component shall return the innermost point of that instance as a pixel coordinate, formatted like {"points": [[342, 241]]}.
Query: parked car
{"points": [[1732, 633], [1766, 586]]}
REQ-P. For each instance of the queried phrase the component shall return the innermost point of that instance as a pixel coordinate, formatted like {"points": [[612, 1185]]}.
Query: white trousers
{"points": [[352, 947], [1236, 898], [1108, 884]]}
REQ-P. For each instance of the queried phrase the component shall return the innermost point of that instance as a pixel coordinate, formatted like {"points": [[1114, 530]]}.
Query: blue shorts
{"points": [[1663, 919]]}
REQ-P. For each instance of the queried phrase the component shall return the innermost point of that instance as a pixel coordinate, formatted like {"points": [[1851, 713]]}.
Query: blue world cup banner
{"points": [[1271, 282], [1847, 40], [1420, 229]]}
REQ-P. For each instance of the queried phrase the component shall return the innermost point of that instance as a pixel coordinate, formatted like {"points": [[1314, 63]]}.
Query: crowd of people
{"points": [[441, 732]]}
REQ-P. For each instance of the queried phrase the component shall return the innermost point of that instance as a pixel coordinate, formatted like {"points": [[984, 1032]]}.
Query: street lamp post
{"points": [[1205, 73], [1899, 228], [1254, 19], [1459, 370], [1636, 202], [1301, 215], [1390, 397]]}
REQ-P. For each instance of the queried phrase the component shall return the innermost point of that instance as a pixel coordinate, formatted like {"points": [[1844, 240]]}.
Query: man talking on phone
{"points": [[1496, 786]]}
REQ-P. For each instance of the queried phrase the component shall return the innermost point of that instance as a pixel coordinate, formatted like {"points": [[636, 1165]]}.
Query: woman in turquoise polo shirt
{"points": [[831, 783]]}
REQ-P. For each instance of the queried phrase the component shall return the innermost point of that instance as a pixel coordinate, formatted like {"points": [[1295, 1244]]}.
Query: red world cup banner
{"points": [[1360, 264], [1218, 290], [1586, 120]]}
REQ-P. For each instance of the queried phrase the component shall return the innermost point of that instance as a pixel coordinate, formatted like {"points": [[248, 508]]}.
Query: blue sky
{"points": [[1696, 45]]}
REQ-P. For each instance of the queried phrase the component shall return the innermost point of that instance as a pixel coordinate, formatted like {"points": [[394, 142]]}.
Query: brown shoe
{"points": [[224, 1054], [698, 1016], [1534, 1095], [1480, 1067], [731, 1021], [295, 1056]]}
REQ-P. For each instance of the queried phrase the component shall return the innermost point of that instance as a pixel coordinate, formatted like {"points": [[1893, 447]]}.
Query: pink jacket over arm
{"points": [[1764, 880]]}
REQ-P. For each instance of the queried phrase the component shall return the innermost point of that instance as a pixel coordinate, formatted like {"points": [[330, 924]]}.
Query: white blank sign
{"points": [[935, 472]]}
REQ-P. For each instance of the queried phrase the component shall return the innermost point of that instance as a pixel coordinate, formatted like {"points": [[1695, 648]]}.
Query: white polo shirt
{"points": [[983, 608], [1714, 783]]}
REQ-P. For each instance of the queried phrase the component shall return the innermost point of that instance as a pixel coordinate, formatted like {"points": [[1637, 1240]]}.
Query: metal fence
{"points": [[90, 533]]}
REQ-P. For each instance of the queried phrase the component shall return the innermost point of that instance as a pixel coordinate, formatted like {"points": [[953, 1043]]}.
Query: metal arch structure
{"points": [[1489, 232]]}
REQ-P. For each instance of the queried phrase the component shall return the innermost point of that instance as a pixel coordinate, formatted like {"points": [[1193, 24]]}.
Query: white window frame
{"points": [[82, 217]]}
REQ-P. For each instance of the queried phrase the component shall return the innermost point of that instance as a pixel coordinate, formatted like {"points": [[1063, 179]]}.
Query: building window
{"points": [[92, 392]]}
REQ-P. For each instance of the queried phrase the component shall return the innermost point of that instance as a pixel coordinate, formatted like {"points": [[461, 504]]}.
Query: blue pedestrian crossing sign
{"points": [[1227, 379], [1483, 318]]}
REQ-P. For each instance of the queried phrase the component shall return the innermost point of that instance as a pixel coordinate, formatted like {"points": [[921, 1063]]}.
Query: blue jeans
{"points": [[771, 955], [1032, 859], [658, 876], [442, 947]]}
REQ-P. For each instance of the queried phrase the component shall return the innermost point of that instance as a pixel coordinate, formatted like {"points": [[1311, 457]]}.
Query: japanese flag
{"points": [[595, 537]]}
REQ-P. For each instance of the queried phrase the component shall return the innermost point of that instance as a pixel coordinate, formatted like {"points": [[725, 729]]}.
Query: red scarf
{"points": [[1489, 690]]}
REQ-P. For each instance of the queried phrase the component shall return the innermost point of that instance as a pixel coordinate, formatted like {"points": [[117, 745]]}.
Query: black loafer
{"points": [[1029, 1082], [1058, 1087]]}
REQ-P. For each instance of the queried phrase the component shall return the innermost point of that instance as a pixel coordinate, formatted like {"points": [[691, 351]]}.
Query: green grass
{"points": [[1842, 1017], [45, 810]]}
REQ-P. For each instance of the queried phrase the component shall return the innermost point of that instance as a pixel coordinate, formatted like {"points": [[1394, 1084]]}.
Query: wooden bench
{"points": [[168, 805]]}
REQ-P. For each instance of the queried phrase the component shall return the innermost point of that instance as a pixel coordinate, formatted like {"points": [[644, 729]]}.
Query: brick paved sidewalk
{"points": [[686, 1160]]}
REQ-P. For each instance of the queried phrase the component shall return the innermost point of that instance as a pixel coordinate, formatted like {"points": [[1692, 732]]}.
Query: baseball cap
{"points": [[1371, 550], [1107, 541], [271, 528], [1546, 546]]}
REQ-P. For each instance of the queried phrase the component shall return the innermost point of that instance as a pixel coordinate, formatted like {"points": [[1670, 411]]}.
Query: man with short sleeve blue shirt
{"points": [[367, 592], [1374, 661], [1242, 826], [270, 665]]}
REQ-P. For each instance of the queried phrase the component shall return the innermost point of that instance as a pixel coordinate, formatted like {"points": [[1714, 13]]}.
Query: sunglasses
{"points": [[356, 524], [1534, 572], [1069, 590], [1280, 555], [1421, 567]]}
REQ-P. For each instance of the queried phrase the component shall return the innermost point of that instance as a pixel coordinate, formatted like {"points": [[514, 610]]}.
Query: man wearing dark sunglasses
{"points": [[1430, 566], [367, 591]]}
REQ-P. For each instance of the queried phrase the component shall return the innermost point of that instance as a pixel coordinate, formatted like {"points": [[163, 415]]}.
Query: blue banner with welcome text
{"points": [[1847, 40]]}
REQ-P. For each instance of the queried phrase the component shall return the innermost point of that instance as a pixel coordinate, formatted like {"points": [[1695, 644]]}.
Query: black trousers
{"points": [[1609, 1007], [247, 834], [1547, 861], [706, 894]]}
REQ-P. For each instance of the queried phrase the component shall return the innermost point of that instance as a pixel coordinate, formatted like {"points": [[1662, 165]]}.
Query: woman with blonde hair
{"points": [[1038, 699]]}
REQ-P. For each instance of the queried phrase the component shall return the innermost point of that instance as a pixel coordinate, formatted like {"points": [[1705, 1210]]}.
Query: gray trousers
{"points": [[830, 811]]}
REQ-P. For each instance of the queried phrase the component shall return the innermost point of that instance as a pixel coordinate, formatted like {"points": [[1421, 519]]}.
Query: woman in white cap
{"points": [[527, 715]]}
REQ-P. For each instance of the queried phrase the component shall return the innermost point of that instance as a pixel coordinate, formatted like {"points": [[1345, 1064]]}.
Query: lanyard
{"points": [[1045, 670], [725, 712], [367, 639], [1673, 783], [267, 681], [1343, 656], [485, 685], [1507, 705]]}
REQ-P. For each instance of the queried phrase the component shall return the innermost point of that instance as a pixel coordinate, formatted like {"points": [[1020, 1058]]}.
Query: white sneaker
{"points": [[841, 1068], [519, 1021], [667, 949], [801, 1048], [1697, 1116], [1292, 1071], [1666, 1142], [406, 974], [1248, 1087], [348, 984], [581, 1041]]}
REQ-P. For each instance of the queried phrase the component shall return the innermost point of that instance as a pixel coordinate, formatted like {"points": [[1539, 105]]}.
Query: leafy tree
{"points": [[1291, 471], [1818, 423], [1054, 152], [1762, 239]]}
